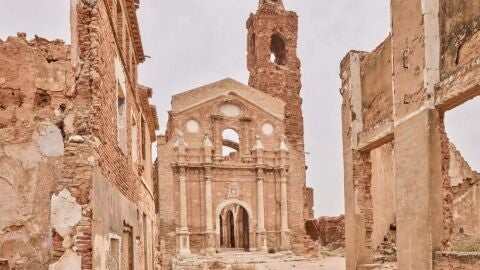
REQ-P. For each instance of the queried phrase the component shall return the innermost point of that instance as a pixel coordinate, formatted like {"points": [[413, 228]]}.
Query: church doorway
{"points": [[234, 228]]}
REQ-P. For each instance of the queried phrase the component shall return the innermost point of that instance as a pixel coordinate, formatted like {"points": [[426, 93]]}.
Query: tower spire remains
{"points": [[271, 3]]}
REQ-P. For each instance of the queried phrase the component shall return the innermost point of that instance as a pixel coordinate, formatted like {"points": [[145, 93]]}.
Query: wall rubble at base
{"points": [[327, 230], [456, 260]]}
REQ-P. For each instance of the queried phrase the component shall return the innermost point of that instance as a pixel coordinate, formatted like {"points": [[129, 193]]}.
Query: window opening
{"points": [[277, 48]]}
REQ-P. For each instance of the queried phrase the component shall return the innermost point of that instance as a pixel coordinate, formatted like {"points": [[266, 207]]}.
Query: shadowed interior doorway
{"points": [[234, 228]]}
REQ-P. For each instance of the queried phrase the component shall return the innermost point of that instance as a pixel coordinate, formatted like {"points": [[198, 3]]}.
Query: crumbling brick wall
{"points": [[108, 46], [56, 118], [328, 230], [460, 183], [432, 184], [362, 180], [34, 77]]}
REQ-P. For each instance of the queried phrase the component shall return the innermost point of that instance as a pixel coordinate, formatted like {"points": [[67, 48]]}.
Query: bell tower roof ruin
{"points": [[271, 4]]}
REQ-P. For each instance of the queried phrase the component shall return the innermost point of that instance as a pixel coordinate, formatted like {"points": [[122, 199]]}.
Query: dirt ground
{"points": [[328, 263]]}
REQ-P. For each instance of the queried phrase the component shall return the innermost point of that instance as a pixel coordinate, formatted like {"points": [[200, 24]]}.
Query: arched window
{"points": [[231, 142], [277, 48]]}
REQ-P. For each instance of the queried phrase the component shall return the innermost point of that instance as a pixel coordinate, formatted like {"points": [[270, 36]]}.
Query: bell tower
{"points": [[275, 69], [273, 63]]}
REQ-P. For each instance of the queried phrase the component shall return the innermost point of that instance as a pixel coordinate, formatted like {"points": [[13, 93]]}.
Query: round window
{"points": [[193, 126], [230, 110], [267, 129]]}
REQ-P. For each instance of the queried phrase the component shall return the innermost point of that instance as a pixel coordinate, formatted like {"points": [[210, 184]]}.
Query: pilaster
{"points": [[207, 167], [261, 232]]}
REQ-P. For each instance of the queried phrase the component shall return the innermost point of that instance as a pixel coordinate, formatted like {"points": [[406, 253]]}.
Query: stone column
{"points": [[355, 246], [261, 232], [285, 233], [217, 136], [245, 147], [183, 233], [418, 168], [210, 234]]}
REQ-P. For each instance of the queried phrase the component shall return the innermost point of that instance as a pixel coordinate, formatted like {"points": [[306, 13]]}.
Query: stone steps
{"points": [[232, 257], [386, 266]]}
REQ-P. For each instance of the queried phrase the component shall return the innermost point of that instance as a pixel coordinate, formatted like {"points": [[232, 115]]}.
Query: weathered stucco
{"points": [[459, 31], [31, 145], [383, 192], [376, 84]]}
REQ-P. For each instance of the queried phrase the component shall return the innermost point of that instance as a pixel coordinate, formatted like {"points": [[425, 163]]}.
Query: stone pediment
{"points": [[201, 95]]}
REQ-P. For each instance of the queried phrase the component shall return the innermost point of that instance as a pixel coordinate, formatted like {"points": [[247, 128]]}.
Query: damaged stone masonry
{"points": [[411, 199], [76, 130], [80, 189]]}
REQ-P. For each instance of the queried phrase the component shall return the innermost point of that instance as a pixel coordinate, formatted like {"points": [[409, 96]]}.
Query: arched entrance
{"points": [[234, 227]]}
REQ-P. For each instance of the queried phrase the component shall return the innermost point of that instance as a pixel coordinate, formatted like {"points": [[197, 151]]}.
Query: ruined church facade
{"points": [[254, 196]]}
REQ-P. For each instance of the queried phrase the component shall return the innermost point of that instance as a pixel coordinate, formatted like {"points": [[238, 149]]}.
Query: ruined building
{"points": [[405, 183], [76, 131], [252, 197]]}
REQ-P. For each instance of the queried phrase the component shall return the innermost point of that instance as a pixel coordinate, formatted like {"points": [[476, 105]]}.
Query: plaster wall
{"points": [[466, 217], [383, 192], [376, 85], [459, 30], [34, 77], [112, 214], [408, 52]]}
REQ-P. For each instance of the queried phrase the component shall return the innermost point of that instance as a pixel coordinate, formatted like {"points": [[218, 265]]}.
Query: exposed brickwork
{"points": [[279, 80], [275, 69], [362, 176], [327, 230], [59, 104], [447, 187], [31, 143]]}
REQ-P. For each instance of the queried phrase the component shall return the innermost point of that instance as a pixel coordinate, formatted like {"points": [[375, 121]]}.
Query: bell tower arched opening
{"points": [[277, 48]]}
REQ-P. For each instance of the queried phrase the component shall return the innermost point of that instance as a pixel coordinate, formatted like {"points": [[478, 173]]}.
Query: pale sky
{"points": [[195, 42]]}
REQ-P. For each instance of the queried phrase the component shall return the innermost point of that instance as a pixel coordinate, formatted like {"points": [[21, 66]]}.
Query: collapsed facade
{"points": [[76, 131], [253, 197], [405, 183]]}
